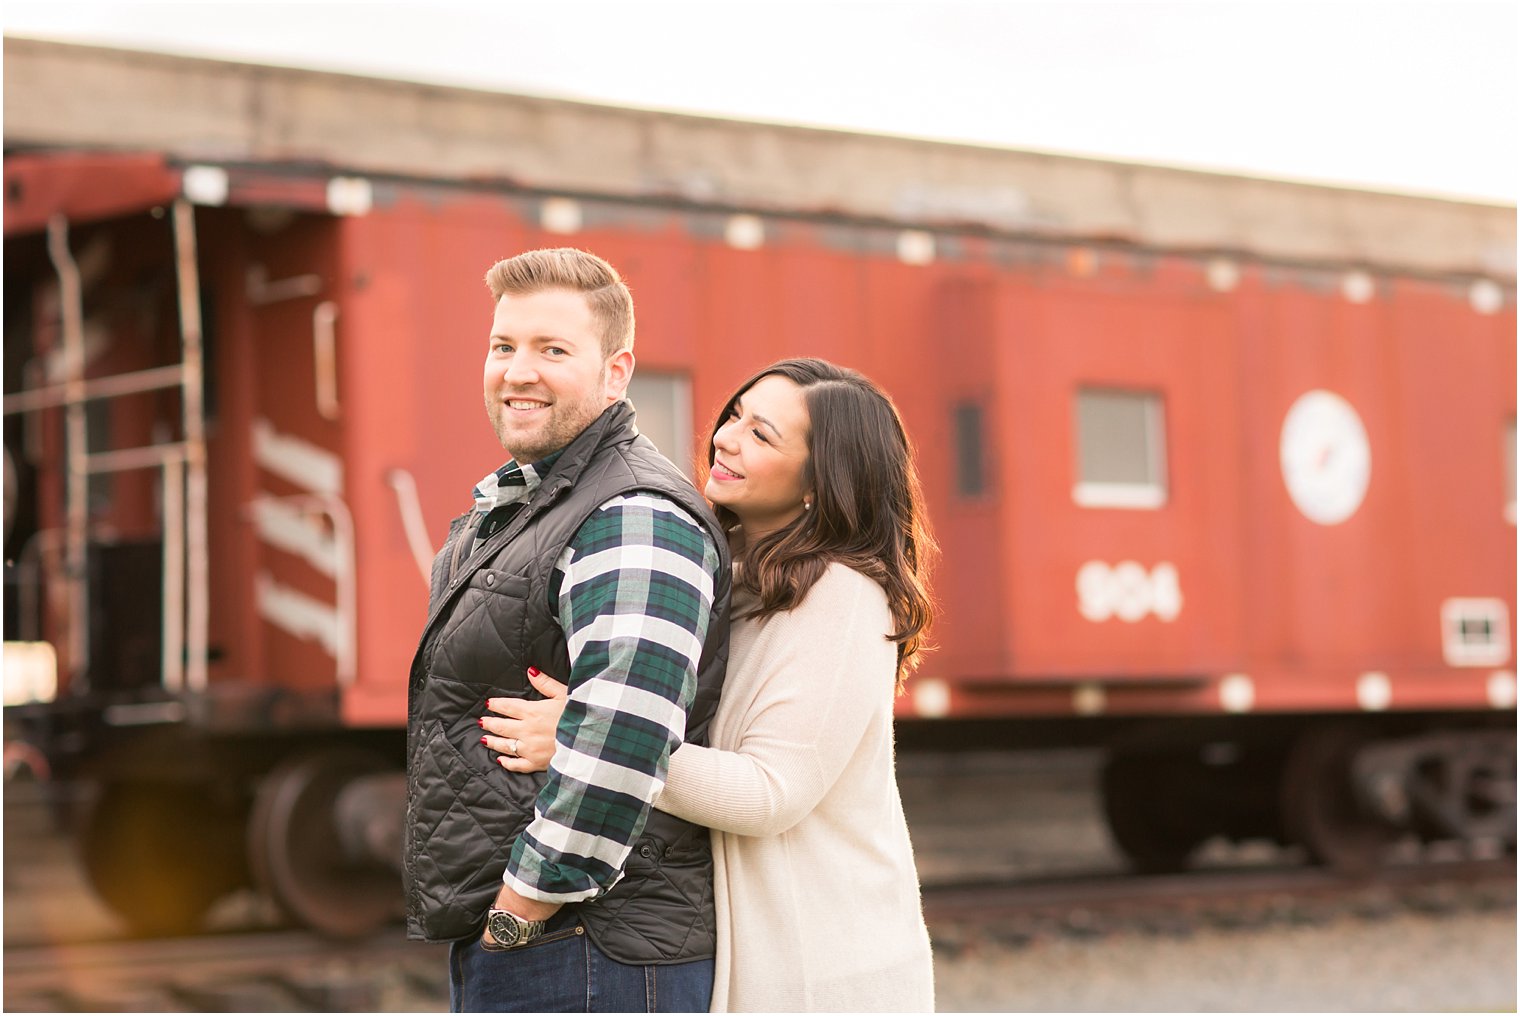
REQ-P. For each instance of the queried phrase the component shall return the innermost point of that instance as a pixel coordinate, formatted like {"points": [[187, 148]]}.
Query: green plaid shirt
{"points": [[635, 594]]}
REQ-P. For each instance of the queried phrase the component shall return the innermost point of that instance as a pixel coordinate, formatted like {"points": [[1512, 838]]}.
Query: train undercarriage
{"points": [[1345, 790]]}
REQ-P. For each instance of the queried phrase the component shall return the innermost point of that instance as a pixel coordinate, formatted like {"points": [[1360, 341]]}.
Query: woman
{"points": [[816, 893]]}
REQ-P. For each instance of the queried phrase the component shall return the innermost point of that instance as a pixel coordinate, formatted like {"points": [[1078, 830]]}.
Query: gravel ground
{"points": [[1462, 962], [1017, 815]]}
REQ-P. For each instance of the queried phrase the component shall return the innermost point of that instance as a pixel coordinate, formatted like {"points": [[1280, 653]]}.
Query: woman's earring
{"points": [[807, 505]]}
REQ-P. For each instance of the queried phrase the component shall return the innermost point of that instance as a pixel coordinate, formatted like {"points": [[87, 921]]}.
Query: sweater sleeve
{"points": [[827, 670]]}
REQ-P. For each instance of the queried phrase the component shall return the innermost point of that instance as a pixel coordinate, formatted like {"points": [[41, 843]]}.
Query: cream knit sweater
{"points": [[817, 897]]}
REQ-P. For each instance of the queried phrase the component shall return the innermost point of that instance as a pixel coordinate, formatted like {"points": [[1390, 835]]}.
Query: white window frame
{"points": [[1459, 652], [1134, 496]]}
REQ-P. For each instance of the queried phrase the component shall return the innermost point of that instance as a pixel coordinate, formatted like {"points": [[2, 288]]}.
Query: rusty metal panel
{"points": [[1359, 589], [415, 320], [943, 359], [83, 187], [1263, 592], [1109, 590], [301, 484]]}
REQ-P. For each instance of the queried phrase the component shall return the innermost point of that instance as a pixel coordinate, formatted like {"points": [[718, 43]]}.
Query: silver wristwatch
{"points": [[508, 930]]}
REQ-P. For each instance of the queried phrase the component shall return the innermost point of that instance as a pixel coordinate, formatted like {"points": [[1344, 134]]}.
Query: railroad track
{"points": [[268, 971], [296, 971], [1015, 910]]}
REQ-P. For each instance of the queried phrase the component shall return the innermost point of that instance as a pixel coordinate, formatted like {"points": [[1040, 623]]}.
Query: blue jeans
{"points": [[564, 971]]}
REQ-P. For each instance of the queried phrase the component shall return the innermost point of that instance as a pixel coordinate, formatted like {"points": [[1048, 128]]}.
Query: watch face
{"points": [[1326, 461], [504, 929]]}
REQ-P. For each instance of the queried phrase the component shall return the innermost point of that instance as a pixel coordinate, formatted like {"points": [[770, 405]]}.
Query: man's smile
{"points": [[526, 405]]}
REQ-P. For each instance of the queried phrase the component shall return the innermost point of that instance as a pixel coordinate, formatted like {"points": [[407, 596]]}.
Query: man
{"points": [[587, 554]]}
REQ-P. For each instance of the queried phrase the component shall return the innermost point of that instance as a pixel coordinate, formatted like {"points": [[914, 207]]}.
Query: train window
{"points": [[1475, 632], [1509, 471], [1121, 457], [663, 401], [970, 468]]}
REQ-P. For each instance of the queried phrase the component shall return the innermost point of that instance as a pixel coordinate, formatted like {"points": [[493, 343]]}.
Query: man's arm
{"points": [[635, 602]]}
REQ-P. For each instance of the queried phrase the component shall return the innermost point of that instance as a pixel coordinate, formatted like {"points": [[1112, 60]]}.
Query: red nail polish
{"points": [[534, 671], [480, 721], [482, 740]]}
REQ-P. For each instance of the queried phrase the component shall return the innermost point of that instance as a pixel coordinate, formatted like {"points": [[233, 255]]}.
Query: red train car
{"points": [[1223, 469]]}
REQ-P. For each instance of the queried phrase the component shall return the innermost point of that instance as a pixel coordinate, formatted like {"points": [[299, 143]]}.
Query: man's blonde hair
{"points": [[579, 271]]}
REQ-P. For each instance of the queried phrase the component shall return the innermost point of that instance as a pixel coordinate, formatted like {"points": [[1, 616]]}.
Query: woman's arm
{"points": [[824, 677], [827, 671]]}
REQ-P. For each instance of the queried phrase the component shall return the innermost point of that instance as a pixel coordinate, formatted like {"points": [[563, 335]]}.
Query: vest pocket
{"points": [[661, 911], [485, 631], [494, 580], [462, 830]]}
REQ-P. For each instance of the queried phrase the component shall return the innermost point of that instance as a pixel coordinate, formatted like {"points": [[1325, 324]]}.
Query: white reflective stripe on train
{"points": [[303, 616]]}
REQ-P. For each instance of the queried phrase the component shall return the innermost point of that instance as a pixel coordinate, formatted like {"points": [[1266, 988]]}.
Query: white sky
{"points": [[1420, 97]]}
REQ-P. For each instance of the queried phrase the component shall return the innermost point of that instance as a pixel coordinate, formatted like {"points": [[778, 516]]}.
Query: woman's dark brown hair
{"points": [[868, 506]]}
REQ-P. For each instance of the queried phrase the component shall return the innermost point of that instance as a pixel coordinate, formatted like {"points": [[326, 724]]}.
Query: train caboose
{"points": [[1223, 468]]}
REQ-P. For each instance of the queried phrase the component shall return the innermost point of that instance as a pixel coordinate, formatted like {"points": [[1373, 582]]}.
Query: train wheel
{"points": [[300, 857], [1466, 791], [1150, 815], [1320, 807], [159, 855]]}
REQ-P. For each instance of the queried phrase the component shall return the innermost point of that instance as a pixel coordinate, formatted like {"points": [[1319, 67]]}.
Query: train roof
{"points": [[60, 95]]}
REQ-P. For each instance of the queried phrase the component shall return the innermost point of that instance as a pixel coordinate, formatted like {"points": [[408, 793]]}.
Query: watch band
{"points": [[509, 931]]}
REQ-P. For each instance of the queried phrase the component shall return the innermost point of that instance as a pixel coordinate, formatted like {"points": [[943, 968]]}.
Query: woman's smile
{"points": [[724, 474]]}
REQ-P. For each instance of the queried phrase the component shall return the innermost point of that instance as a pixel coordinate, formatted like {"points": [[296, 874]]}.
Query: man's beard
{"points": [[565, 422]]}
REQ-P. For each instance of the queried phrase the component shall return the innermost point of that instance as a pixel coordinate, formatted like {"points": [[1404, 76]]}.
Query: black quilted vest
{"points": [[489, 619]]}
